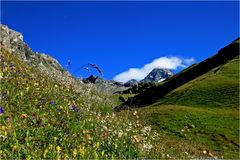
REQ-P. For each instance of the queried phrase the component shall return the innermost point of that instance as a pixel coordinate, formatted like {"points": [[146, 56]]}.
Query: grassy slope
{"points": [[217, 88], [45, 119], [156, 92], [201, 115]]}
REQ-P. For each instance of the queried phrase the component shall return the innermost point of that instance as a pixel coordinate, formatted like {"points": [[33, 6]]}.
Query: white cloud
{"points": [[162, 62]]}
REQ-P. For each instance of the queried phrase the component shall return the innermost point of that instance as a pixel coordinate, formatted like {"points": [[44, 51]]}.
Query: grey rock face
{"points": [[13, 42], [157, 75], [131, 83], [105, 86]]}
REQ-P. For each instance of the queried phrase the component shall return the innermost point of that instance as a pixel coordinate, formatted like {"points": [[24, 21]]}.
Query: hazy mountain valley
{"points": [[47, 113]]}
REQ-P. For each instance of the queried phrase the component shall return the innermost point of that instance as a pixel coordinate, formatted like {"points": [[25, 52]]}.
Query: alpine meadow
{"points": [[168, 107]]}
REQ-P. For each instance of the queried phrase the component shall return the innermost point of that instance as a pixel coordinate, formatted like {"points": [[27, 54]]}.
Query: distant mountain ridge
{"points": [[111, 86], [157, 75], [156, 92]]}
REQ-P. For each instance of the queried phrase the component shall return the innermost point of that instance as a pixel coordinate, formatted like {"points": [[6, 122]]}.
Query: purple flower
{"points": [[67, 132], [4, 95], [52, 102], [74, 108], [77, 110], [1, 110], [11, 64]]}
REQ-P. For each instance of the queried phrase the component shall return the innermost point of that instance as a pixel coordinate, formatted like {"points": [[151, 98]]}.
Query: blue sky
{"points": [[118, 36]]}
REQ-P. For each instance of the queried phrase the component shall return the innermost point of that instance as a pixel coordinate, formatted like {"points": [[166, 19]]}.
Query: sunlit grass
{"points": [[41, 118]]}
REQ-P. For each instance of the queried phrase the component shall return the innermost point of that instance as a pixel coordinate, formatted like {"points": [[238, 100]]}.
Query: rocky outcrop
{"points": [[131, 83], [105, 86], [14, 43]]}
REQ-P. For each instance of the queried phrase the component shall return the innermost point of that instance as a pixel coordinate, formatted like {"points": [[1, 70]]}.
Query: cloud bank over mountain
{"points": [[172, 63]]}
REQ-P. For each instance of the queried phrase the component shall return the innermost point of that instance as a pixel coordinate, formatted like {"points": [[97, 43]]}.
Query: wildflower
{"points": [[97, 145], [1, 110], [147, 147], [1, 76], [105, 128], [135, 113], [11, 64], [75, 152], [27, 88], [66, 156], [14, 148], [88, 137], [82, 151], [72, 107], [136, 139], [52, 102], [67, 132], [50, 146], [146, 130], [45, 153], [4, 95], [23, 116], [58, 148], [120, 133]]}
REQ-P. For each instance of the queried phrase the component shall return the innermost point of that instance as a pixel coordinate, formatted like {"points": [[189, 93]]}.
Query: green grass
{"points": [[46, 119], [195, 128], [217, 88], [200, 116]]}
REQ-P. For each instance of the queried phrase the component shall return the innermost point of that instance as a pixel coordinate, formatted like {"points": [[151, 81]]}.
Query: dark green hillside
{"points": [[218, 88], [154, 93]]}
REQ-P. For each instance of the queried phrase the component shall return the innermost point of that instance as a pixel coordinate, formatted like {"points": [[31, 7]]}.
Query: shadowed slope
{"points": [[156, 92]]}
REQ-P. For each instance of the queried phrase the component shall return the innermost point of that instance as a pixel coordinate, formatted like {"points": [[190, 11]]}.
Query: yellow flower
{"points": [[75, 152], [50, 146], [82, 151], [14, 148], [3, 127], [97, 145], [45, 153], [95, 155], [66, 156], [58, 148]]}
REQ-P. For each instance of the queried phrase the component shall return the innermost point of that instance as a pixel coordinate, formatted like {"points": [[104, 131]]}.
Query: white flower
{"points": [[120, 133], [146, 130], [147, 147]]}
